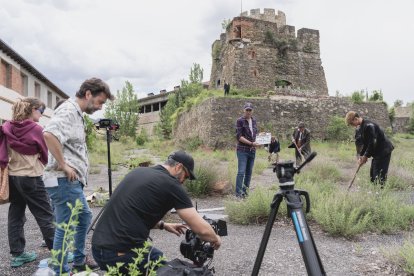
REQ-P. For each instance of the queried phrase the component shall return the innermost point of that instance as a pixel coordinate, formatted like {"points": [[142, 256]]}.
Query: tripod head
{"points": [[285, 170]]}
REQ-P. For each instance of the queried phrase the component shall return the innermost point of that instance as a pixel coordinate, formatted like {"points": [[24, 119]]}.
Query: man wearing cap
{"points": [[246, 131], [301, 142], [374, 144], [138, 204]]}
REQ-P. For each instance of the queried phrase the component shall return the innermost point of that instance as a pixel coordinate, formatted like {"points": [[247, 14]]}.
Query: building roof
{"points": [[403, 111], [30, 68]]}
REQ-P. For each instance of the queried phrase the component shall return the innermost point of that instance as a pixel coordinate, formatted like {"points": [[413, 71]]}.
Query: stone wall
{"points": [[213, 121], [257, 54]]}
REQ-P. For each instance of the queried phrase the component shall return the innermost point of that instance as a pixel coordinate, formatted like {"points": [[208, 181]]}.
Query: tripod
{"points": [[108, 146], [285, 172]]}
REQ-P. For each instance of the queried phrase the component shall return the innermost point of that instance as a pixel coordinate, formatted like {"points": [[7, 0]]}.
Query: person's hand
{"points": [[216, 244], [362, 160], [70, 172], [256, 145], [175, 228]]}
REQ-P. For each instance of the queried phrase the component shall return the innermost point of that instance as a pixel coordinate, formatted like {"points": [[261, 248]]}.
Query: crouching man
{"points": [[138, 204]]}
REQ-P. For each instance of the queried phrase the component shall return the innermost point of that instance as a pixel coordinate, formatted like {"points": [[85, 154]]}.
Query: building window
{"points": [[49, 99], [7, 74], [37, 90], [25, 85]]}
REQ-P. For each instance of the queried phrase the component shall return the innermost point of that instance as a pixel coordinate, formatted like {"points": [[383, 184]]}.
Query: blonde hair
{"points": [[22, 109], [350, 116]]}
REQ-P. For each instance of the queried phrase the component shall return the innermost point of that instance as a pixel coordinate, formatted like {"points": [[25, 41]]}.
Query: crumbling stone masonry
{"points": [[259, 51], [213, 121]]}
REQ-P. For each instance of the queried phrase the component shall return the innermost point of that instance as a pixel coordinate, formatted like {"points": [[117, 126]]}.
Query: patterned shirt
{"points": [[243, 129], [68, 126]]}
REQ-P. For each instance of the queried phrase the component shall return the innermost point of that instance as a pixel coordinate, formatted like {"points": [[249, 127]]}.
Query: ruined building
{"points": [[259, 51]]}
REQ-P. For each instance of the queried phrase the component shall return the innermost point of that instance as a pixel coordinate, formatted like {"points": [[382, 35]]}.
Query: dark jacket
{"points": [[303, 143], [375, 143]]}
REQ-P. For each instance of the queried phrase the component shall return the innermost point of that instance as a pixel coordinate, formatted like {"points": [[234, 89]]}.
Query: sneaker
{"points": [[70, 257], [88, 263], [23, 258], [43, 244]]}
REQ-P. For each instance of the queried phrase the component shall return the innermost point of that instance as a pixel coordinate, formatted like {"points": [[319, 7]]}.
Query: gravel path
{"points": [[238, 252]]}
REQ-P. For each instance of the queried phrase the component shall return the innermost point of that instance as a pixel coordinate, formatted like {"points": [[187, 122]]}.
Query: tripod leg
{"points": [[307, 245], [274, 208], [95, 220]]}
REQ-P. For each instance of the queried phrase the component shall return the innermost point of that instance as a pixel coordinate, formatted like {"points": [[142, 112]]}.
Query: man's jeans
{"points": [[244, 172], [68, 192], [28, 191], [106, 257]]}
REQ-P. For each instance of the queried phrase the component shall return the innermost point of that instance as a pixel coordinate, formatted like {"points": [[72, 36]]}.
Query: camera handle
{"points": [[307, 245]]}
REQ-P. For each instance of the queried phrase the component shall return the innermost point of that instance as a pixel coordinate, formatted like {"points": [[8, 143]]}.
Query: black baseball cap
{"points": [[185, 159]]}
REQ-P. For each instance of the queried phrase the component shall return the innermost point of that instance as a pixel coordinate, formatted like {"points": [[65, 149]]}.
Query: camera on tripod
{"points": [[284, 171], [107, 124], [199, 251]]}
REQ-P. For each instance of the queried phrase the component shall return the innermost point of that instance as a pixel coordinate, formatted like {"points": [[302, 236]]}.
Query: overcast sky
{"points": [[365, 44]]}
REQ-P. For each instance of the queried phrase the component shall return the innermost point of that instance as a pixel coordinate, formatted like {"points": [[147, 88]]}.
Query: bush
{"points": [[191, 144], [358, 96], [254, 209], [206, 178], [142, 138], [338, 130]]}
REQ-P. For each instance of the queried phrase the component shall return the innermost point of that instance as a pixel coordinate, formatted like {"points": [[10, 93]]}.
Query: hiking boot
{"points": [[88, 263], [23, 258]]}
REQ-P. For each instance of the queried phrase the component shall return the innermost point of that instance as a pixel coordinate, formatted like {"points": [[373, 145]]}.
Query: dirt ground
{"points": [[364, 256]]}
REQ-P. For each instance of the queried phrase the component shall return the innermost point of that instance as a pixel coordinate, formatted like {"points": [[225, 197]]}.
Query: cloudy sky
{"points": [[365, 44]]}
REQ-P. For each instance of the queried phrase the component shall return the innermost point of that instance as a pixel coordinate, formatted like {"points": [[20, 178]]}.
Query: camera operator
{"points": [[138, 204]]}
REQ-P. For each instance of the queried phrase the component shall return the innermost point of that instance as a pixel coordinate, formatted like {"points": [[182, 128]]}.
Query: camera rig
{"points": [[107, 124], [199, 251]]}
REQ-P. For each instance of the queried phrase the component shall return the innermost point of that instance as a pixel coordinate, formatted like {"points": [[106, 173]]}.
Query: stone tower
{"points": [[259, 51]]}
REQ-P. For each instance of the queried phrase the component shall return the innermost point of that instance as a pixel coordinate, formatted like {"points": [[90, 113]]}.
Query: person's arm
{"points": [[55, 148], [199, 226]]}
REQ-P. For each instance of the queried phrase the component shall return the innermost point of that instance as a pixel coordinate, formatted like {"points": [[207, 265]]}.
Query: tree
{"points": [[124, 110], [376, 96], [398, 103], [358, 96], [176, 100], [196, 74], [225, 24]]}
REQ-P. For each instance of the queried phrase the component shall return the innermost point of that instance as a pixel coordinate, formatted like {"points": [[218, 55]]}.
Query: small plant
{"points": [[69, 233], [133, 268], [192, 144], [358, 96], [142, 138]]}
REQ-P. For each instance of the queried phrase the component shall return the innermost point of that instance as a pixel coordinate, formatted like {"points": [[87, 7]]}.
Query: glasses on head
{"points": [[41, 110]]}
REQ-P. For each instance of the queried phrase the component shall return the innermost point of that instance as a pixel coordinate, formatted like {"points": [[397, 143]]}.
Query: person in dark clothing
{"points": [[138, 204], [274, 149], [226, 88], [374, 144], [358, 141], [301, 142]]}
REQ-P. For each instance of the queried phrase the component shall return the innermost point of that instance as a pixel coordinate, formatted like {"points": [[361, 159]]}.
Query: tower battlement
{"points": [[267, 15]]}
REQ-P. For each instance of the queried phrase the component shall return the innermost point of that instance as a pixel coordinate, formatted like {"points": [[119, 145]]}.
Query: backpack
{"points": [[178, 267]]}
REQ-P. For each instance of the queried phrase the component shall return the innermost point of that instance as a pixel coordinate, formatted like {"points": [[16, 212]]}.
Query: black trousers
{"points": [[379, 169], [30, 191]]}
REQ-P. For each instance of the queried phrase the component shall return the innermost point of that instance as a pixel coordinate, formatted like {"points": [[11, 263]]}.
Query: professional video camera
{"points": [[107, 124], [195, 249]]}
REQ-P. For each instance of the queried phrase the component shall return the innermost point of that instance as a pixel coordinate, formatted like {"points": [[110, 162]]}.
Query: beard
{"points": [[179, 176], [90, 108]]}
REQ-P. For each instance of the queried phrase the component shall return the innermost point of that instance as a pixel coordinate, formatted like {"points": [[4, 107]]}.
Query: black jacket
{"points": [[375, 143]]}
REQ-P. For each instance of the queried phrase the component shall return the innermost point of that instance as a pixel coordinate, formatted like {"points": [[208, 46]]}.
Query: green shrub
{"points": [[338, 130], [358, 96], [142, 138], [192, 143], [206, 178], [407, 255], [255, 209]]}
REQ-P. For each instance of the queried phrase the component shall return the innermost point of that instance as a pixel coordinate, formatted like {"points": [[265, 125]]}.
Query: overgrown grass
{"points": [[206, 178], [254, 209], [407, 256]]}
